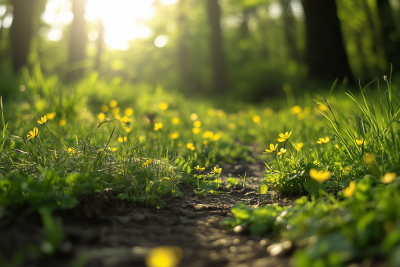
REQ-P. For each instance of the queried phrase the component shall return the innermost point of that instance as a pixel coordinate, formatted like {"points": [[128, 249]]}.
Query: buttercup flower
{"points": [[282, 151], [299, 146], [284, 137], [256, 119], [197, 124], [33, 134], [174, 135], [190, 146], [349, 191], [322, 141], [320, 176], [158, 126], [271, 149], [101, 116], [388, 177], [361, 142], [51, 115], [196, 130], [175, 120], [163, 106], [113, 103], [42, 120], [128, 112], [216, 171], [199, 169]]}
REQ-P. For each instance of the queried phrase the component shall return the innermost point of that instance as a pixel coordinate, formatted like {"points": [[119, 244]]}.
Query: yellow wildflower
{"points": [[295, 110], [193, 116], [196, 130], [320, 176], [216, 137], [205, 142], [388, 177], [158, 126], [190, 146], [271, 149], [125, 119], [128, 112], [199, 169], [51, 115], [284, 137], [101, 116], [61, 123], [147, 162], [163, 106], [256, 119], [349, 191], [322, 141], [175, 120], [197, 124], [33, 134], [113, 149], [122, 139], [282, 151], [71, 151], [216, 171], [208, 134], [361, 142], [299, 146], [268, 111], [42, 120], [113, 103], [115, 110], [164, 257], [174, 135], [337, 146], [104, 108]]}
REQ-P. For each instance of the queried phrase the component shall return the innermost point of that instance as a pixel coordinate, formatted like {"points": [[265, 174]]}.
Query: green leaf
{"points": [[263, 189]]}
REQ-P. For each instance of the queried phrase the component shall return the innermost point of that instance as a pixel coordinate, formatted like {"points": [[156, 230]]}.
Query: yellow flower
{"points": [[101, 116], [361, 142], [175, 135], [268, 111], [211, 112], [216, 171], [282, 151], [117, 116], [337, 146], [71, 150], [128, 112], [125, 119], [62, 122], [104, 108], [320, 176], [295, 110], [216, 137], [205, 142], [113, 103], [190, 146], [232, 125], [51, 115], [299, 146], [221, 113], [115, 110], [349, 191], [33, 134], [175, 120], [197, 124], [196, 130], [158, 126], [113, 149], [388, 177], [300, 116], [42, 120], [322, 141], [271, 149], [199, 169], [193, 116], [147, 162], [284, 137], [208, 134], [164, 257], [122, 139], [256, 119], [163, 106]]}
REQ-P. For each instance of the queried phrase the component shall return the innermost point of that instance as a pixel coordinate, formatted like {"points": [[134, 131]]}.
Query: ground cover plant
{"points": [[337, 155]]}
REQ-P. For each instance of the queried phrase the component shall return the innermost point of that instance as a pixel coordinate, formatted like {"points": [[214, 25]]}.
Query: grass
{"points": [[338, 154]]}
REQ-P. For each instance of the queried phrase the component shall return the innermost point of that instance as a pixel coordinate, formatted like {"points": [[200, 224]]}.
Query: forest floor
{"points": [[105, 231]]}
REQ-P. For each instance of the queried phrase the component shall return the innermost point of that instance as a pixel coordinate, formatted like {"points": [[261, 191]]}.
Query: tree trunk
{"points": [[325, 54], [77, 39], [289, 25], [100, 46], [390, 36], [219, 84], [21, 32]]}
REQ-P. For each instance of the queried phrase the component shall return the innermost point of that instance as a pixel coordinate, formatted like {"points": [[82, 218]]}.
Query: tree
{"points": [[289, 25], [325, 54], [21, 32], [219, 84], [77, 39], [390, 36]]}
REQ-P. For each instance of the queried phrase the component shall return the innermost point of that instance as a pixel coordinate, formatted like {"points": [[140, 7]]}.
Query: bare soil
{"points": [[105, 231]]}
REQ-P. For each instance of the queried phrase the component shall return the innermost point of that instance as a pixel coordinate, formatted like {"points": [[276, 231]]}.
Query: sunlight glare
{"points": [[58, 13], [167, 2], [275, 10], [93, 35], [3, 10], [7, 21], [161, 41], [54, 34]]}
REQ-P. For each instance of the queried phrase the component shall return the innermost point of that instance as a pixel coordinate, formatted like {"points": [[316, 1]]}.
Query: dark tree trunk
{"points": [[289, 25], [21, 32], [77, 39], [325, 54], [390, 36], [100, 46], [219, 84]]}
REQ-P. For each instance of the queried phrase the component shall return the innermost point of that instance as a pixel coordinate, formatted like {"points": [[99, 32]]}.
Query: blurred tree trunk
{"points": [[100, 46], [289, 25], [77, 40], [325, 54], [390, 36], [21, 32], [219, 83]]}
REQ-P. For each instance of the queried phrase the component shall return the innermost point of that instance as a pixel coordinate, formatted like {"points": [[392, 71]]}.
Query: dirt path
{"points": [[110, 232]]}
